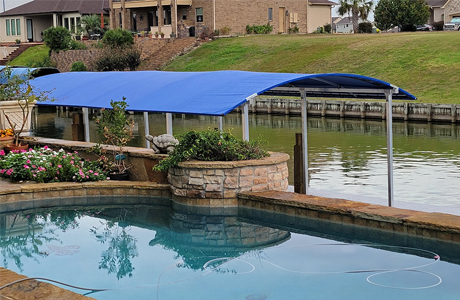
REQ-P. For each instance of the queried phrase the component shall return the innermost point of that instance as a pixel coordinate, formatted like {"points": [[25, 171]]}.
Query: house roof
{"points": [[203, 93], [59, 6], [345, 20], [436, 3], [322, 2]]}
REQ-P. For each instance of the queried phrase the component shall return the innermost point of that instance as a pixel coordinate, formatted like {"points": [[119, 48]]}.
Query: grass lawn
{"points": [[426, 64], [32, 56]]}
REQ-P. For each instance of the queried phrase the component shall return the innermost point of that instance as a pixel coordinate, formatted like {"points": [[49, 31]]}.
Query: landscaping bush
{"points": [[46, 165], [57, 38], [259, 29], [438, 25], [78, 66], [118, 38], [211, 145], [365, 27], [294, 29], [118, 59], [328, 28], [75, 45]]}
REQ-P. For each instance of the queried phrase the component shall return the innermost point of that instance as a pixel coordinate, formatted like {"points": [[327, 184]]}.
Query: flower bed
{"points": [[46, 165]]}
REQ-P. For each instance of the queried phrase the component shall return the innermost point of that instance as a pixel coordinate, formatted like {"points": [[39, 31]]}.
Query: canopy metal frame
{"points": [[177, 92]]}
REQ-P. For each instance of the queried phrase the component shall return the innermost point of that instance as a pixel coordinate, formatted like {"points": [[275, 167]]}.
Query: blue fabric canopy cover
{"points": [[204, 93]]}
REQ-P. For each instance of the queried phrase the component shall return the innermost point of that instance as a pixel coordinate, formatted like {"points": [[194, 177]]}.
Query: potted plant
{"points": [[117, 130], [18, 41], [17, 98], [156, 34], [6, 137], [150, 34], [162, 35]]}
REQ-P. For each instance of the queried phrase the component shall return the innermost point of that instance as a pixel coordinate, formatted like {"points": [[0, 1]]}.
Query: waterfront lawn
{"points": [[425, 64]]}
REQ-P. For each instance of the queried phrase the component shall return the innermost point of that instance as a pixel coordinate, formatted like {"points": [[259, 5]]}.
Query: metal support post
{"points": [[86, 123], [147, 129], [169, 127]]}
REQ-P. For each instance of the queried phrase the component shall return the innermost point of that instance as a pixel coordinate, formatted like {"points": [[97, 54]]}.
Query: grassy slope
{"points": [[425, 64], [31, 55]]}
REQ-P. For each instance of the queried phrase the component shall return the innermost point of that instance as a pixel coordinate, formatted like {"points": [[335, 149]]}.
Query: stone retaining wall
{"points": [[142, 160], [218, 183]]}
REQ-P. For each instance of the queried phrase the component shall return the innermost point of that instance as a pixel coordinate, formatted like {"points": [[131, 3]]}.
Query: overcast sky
{"points": [[9, 4]]}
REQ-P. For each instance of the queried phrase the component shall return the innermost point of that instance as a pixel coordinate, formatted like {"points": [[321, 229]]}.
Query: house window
{"points": [[199, 14], [270, 14], [120, 20], [72, 24], [13, 27], [18, 26], [167, 15], [184, 14], [66, 23], [8, 30]]}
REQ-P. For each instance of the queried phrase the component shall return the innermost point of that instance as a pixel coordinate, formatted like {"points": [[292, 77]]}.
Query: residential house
{"points": [[335, 20], [28, 21], [345, 25], [186, 18], [443, 10]]}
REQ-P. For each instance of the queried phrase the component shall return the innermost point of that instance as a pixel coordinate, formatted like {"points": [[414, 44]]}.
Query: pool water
{"points": [[157, 252]]}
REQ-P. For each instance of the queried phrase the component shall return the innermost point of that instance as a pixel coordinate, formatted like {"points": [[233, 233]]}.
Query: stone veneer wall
{"points": [[218, 183]]}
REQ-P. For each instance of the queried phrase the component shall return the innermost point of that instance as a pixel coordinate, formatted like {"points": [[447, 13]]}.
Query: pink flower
{"points": [[71, 162], [28, 161], [64, 156], [2, 152], [55, 177], [2, 171], [57, 172], [87, 176], [46, 147], [34, 175], [91, 171], [75, 152], [108, 178], [33, 166], [26, 167], [23, 151], [59, 166], [95, 173]]}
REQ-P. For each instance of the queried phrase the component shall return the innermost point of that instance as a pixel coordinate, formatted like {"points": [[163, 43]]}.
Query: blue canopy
{"points": [[205, 93]]}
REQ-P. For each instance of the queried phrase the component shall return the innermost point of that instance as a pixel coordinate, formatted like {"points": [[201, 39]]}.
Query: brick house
{"points": [[28, 21], [190, 17], [443, 10]]}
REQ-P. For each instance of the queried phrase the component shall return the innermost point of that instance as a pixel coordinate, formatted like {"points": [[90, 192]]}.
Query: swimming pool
{"points": [[163, 252]]}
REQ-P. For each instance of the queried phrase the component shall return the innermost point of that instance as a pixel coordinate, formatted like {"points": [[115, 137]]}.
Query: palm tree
{"points": [[358, 9], [91, 23]]}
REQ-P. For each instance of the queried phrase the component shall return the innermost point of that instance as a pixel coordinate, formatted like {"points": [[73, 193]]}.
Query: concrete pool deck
{"points": [[18, 196]]}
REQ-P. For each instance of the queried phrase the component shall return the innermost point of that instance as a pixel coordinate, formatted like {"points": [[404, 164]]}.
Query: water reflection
{"points": [[347, 158]]}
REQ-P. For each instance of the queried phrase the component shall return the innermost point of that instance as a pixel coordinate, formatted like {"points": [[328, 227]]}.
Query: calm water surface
{"points": [[347, 158]]}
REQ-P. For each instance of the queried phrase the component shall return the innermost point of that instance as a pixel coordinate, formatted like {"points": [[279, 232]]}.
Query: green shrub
{"points": [[44, 62], [259, 29], [328, 28], [118, 38], [438, 25], [57, 38], [365, 27], [211, 145], [78, 66], [294, 29], [118, 59], [75, 45]]}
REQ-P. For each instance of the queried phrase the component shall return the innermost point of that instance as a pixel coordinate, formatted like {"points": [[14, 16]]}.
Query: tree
{"points": [[403, 13], [356, 9], [57, 38], [91, 24]]}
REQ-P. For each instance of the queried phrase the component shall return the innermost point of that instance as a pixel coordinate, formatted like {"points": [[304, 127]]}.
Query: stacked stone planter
{"points": [[217, 183]]}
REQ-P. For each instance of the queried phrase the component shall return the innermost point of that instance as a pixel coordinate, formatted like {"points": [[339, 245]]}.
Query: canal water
{"points": [[347, 157]]}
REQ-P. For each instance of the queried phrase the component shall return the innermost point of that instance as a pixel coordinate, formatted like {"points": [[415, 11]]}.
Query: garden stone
{"points": [[164, 143]]}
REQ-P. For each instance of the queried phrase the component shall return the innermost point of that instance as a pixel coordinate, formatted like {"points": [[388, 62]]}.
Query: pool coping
{"points": [[431, 225]]}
